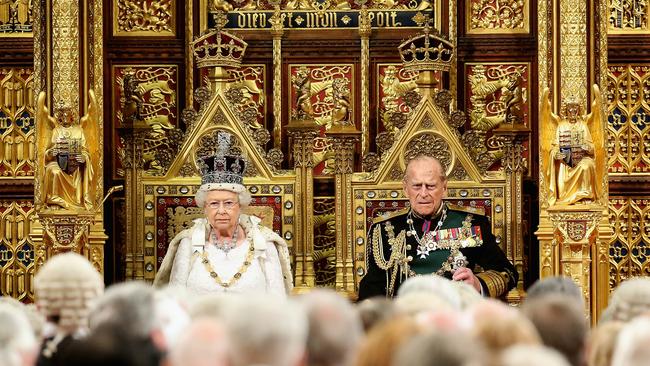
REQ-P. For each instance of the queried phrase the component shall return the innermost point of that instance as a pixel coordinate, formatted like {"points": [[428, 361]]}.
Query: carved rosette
{"points": [[429, 144]]}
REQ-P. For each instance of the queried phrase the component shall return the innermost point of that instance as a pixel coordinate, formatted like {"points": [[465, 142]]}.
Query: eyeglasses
{"points": [[227, 205]]}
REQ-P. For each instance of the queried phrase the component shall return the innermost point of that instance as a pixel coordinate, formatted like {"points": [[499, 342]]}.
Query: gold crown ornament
{"points": [[218, 48], [428, 51]]}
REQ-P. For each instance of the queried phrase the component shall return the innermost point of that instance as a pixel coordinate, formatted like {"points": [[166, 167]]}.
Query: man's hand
{"points": [[466, 275]]}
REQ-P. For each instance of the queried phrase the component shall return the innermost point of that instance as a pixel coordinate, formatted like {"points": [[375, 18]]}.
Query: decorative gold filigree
{"points": [[573, 43], [17, 249], [144, 17], [15, 18], [65, 61], [629, 248], [628, 15], [246, 93], [628, 145], [497, 16], [429, 144], [324, 241], [17, 123], [395, 83]]}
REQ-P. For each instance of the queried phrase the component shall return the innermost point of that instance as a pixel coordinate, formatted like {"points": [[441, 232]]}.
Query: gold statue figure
{"points": [[70, 160], [573, 152]]}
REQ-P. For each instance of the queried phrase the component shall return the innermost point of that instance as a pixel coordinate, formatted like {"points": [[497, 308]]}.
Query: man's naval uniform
{"points": [[393, 253]]}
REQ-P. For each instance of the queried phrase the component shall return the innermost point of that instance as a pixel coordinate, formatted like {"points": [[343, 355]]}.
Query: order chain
{"points": [[423, 248], [247, 262]]}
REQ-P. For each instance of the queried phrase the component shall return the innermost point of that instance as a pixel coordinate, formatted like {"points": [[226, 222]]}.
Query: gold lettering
{"points": [[290, 16], [241, 20], [393, 16]]}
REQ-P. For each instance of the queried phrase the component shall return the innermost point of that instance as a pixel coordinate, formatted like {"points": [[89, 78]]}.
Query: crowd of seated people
{"points": [[432, 321]]}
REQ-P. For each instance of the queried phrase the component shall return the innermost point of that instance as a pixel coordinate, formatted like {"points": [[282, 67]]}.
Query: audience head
{"points": [[383, 341], [632, 344], [629, 300], [204, 343], [335, 328], [556, 285], [602, 343], [435, 285], [265, 330], [64, 288], [561, 323], [18, 345], [531, 355], [436, 348], [374, 311]]}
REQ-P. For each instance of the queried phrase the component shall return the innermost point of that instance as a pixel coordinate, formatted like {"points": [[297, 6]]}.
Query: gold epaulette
{"points": [[390, 215], [472, 210]]}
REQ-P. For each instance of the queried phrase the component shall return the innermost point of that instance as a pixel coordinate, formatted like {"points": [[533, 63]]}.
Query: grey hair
{"points": [[17, 339], [127, 306], [265, 330], [439, 348], [203, 343], [244, 197], [629, 300], [335, 328], [556, 285], [443, 170]]}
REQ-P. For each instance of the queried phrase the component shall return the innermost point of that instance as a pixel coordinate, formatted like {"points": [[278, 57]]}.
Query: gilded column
{"points": [[572, 44], [302, 134], [515, 166], [344, 140], [277, 30], [365, 30]]}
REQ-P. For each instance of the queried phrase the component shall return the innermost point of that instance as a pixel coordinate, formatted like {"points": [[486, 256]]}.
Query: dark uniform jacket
{"points": [[393, 253]]}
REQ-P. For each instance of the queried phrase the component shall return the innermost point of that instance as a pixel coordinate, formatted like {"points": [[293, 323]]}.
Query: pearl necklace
{"points": [[426, 244]]}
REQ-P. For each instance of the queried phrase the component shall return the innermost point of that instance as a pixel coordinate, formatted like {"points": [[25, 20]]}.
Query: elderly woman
{"points": [[227, 251]]}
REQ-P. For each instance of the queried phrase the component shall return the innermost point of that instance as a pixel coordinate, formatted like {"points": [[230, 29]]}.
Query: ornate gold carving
{"points": [[497, 16], [628, 16], [218, 48], [628, 248], [277, 30], [16, 249], [573, 45], [322, 93], [65, 61], [498, 94], [325, 241], [395, 82], [427, 51], [69, 157], [573, 156], [15, 18], [17, 121], [144, 17], [429, 144], [628, 120], [246, 93]]}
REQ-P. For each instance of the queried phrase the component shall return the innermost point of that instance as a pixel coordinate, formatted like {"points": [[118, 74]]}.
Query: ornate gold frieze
{"points": [[16, 249], [497, 16], [16, 123], [497, 94], [628, 119], [147, 94], [329, 14], [16, 18], [394, 83], [144, 17], [628, 16], [324, 93], [246, 93]]}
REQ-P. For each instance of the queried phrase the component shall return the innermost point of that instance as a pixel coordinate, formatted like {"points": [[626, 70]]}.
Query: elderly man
{"points": [[432, 237]]}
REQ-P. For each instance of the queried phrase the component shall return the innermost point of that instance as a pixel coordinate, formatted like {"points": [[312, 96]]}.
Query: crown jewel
{"points": [[427, 51], [222, 167], [218, 47]]}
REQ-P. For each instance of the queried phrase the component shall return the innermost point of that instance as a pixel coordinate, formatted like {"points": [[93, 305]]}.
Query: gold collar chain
{"points": [[247, 262]]}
